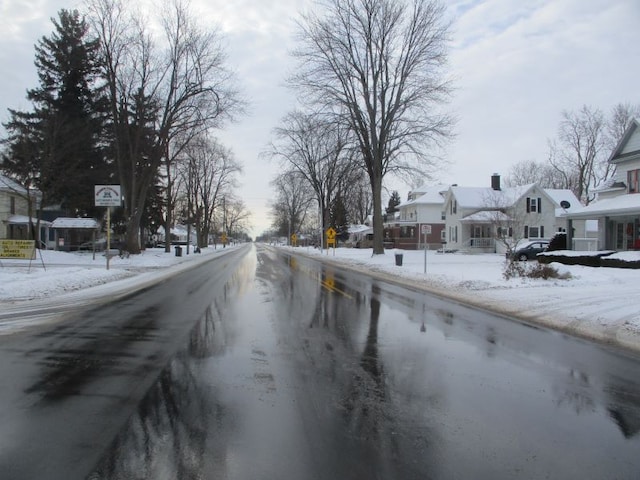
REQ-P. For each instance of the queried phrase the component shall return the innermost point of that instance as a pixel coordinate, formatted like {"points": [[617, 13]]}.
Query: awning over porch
{"points": [[621, 205]]}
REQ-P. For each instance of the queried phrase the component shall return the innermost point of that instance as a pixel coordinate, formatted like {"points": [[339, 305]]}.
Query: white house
{"points": [[420, 215], [617, 204], [476, 216]]}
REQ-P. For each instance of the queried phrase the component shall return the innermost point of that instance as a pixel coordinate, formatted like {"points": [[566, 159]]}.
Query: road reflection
{"points": [[318, 374], [167, 435]]}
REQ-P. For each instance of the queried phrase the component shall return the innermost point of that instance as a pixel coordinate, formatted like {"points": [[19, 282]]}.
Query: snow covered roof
{"points": [[9, 185], [559, 195], [486, 197], [620, 205], [430, 195], [359, 228], [24, 220], [81, 223], [611, 185], [485, 216], [625, 146]]}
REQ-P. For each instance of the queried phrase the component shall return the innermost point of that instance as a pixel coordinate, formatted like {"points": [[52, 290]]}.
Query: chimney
{"points": [[495, 181]]}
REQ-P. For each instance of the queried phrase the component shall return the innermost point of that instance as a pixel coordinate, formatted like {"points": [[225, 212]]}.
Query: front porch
{"points": [[618, 222]]}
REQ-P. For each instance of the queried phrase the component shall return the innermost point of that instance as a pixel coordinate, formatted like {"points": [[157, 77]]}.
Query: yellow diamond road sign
{"points": [[331, 233]]}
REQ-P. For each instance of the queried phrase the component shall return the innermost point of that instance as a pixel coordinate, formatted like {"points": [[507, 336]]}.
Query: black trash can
{"points": [[399, 259], [178, 251]]}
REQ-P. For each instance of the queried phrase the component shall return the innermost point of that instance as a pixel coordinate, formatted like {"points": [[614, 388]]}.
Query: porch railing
{"points": [[481, 242]]}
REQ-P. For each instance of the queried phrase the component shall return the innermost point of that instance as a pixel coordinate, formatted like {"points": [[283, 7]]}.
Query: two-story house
{"points": [[617, 205], [476, 216], [14, 211], [419, 216]]}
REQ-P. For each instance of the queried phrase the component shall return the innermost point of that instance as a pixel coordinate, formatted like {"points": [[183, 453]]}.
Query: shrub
{"points": [[540, 270], [516, 269], [558, 242], [513, 269]]}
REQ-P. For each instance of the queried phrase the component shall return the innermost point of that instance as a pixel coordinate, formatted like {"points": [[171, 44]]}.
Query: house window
{"points": [[534, 232], [407, 232], [454, 206], [443, 235], [12, 205], [633, 177], [534, 205], [504, 232], [443, 216]]}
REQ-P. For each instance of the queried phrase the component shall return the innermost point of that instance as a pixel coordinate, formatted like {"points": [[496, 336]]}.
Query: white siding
{"points": [[624, 167], [633, 144]]}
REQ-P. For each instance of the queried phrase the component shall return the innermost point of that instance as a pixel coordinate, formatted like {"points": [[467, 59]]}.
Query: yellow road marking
{"points": [[328, 283], [332, 288]]}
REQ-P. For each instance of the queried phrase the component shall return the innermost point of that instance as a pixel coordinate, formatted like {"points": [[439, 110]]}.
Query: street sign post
{"points": [[331, 239], [425, 229], [108, 196]]}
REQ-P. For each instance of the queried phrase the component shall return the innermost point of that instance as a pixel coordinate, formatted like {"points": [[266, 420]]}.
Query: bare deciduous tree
{"points": [[319, 150], [578, 152], [156, 94], [293, 199], [379, 64], [357, 197], [209, 174], [621, 116], [236, 217], [530, 171]]}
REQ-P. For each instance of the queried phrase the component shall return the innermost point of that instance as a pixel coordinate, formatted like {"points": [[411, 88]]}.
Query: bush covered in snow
{"points": [[533, 270]]}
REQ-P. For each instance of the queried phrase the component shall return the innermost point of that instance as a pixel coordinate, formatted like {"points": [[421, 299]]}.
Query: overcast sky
{"points": [[517, 65]]}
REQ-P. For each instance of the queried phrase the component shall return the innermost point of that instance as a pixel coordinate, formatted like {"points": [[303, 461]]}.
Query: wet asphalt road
{"points": [[265, 366]]}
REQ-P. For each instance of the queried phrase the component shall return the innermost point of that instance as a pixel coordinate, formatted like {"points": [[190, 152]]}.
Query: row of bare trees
{"points": [[371, 85], [578, 155], [165, 92], [207, 176], [130, 100]]}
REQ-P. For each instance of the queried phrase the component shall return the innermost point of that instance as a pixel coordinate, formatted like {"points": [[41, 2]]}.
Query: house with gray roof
{"points": [[617, 204]]}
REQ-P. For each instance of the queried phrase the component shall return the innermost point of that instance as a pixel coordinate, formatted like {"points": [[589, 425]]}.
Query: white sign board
{"points": [[425, 229], [108, 195]]}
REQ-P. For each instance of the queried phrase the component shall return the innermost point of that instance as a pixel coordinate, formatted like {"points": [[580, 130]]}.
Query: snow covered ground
{"points": [[598, 303]]}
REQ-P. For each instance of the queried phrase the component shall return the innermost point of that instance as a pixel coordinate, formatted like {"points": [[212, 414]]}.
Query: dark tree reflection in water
{"points": [[167, 435]]}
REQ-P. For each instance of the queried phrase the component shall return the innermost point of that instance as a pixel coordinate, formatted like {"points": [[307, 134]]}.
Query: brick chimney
{"points": [[495, 181]]}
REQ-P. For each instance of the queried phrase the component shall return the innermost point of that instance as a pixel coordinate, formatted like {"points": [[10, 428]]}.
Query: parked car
{"points": [[529, 250]]}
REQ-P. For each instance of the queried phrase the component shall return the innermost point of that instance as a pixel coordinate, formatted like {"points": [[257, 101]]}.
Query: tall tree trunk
{"points": [[378, 226]]}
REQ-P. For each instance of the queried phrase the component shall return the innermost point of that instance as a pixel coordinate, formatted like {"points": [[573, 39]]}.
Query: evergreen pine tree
{"points": [[58, 143], [339, 219], [392, 206]]}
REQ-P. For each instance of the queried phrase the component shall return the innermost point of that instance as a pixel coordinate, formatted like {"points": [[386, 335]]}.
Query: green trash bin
{"points": [[399, 259], [178, 251]]}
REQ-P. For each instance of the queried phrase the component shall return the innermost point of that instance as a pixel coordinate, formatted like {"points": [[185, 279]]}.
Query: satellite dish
{"points": [[564, 204]]}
